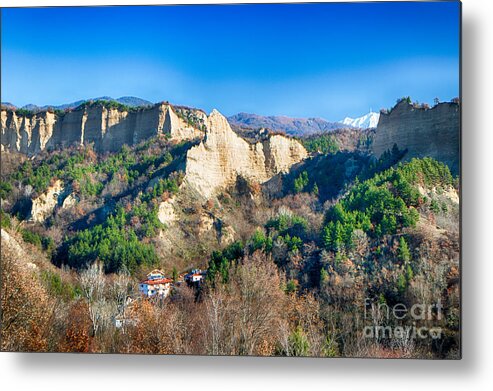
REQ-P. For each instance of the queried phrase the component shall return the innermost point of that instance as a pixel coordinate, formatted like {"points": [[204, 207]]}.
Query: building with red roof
{"points": [[156, 284]]}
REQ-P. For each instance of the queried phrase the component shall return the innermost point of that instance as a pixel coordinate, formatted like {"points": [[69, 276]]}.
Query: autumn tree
{"points": [[77, 334], [244, 314], [27, 309]]}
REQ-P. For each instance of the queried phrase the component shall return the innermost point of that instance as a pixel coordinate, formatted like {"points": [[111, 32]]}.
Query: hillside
{"points": [[356, 247], [294, 235]]}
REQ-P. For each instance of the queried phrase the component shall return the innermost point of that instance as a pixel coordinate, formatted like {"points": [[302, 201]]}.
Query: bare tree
{"points": [[244, 316], [212, 310], [218, 319], [92, 282], [120, 288], [259, 301]]}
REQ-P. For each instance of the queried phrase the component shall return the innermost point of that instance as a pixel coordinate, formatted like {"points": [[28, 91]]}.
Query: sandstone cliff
{"points": [[423, 132], [108, 128], [222, 156], [214, 164], [44, 205]]}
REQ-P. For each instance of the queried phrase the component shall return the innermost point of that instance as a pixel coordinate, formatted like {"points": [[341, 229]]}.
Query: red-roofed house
{"points": [[195, 276], [156, 284]]}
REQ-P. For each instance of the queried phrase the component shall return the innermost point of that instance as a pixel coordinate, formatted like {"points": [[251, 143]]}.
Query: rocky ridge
{"points": [[214, 164], [222, 156], [432, 132], [107, 128]]}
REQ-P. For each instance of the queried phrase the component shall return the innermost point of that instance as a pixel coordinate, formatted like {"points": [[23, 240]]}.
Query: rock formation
{"points": [[213, 164], [108, 128], [71, 200], [423, 132], [55, 196], [166, 212], [44, 205], [223, 155]]}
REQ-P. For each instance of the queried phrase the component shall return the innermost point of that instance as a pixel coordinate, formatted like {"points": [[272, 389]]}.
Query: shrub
{"points": [[5, 189], [292, 225], [298, 343], [294, 243], [31, 237], [220, 261], [5, 220], [291, 286], [56, 286], [259, 241], [301, 182]]}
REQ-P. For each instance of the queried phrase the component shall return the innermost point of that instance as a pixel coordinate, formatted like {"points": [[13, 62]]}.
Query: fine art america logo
{"points": [[401, 321]]}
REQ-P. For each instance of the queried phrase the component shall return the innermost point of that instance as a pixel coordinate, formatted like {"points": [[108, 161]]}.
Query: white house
{"points": [[195, 276], [126, 315], [156, 284]]}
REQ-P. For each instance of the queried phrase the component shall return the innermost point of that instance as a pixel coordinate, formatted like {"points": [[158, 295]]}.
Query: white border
{"points": [[474, 372]]}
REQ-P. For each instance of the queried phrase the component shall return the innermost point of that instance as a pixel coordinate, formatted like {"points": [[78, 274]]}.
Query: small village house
{"points": [[126, 315], [156, 284], [196, 276]]}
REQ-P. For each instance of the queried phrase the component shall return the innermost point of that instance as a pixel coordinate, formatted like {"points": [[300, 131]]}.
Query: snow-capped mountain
{"points": [[369, 120]]}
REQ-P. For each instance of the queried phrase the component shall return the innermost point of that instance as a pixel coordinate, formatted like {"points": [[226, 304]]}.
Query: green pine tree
{"points": [[403, 252]]}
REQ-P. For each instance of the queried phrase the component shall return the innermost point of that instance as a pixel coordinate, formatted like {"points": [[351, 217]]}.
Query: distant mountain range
{"points": [[126, 100], [291, 126], [369, 120], [242, 121], [301, 126]]}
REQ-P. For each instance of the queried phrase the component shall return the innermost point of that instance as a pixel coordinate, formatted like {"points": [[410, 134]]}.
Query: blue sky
{"points": [[320, 60]]}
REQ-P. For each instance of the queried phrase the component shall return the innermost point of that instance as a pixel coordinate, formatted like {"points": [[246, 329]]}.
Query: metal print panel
{"points": [[267, 180]]}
